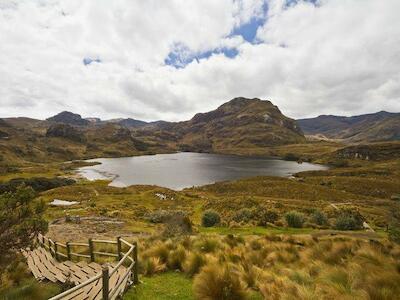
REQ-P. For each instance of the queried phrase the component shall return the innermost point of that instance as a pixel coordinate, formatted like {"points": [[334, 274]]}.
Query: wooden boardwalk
{"points": [[44, 266], [91, 280]]}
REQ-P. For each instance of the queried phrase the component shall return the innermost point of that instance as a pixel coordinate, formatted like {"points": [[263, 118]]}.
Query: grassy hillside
{"points": [[381, 126]]}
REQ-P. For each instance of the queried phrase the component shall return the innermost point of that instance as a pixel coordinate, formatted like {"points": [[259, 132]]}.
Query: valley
{"points": [[269, 236]]}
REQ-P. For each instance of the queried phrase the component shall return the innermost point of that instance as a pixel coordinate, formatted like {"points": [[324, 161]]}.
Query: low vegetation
{"points": [[254, 238], [278, 267]]}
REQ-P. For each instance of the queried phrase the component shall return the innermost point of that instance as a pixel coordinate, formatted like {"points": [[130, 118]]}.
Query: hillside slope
{"points": [[240, 126], [380, 126]]}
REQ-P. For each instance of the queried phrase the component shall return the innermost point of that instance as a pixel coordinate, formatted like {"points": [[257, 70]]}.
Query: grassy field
{"points": [[270, 258], [369, 188], [167, 286]]}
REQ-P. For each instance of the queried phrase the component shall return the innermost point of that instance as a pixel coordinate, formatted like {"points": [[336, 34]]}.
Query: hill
{"points": [[380, 126], [70, 118], [130, 123], [238, 126]]}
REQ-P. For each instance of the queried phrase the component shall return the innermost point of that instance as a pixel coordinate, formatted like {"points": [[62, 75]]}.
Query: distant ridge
{"points": [[380, 126]]}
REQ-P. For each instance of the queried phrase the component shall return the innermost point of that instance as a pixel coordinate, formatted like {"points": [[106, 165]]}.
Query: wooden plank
{"points": [[35, 271], [95, 266], [68, 263], [43, 265], [78, 295], [56, 272], [42, 268], [121, 289], [113, 281], [95, 292], [77, 272]]}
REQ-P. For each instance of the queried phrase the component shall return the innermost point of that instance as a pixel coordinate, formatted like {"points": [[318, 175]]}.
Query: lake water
{"points": [[181, 170]]}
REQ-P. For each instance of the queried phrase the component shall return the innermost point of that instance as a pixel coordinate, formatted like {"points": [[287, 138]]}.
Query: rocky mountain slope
{"points": [[240, 126], [70, 118], [380, 126]]}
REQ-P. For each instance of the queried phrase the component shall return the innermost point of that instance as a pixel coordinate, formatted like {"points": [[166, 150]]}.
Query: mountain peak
{"points": [[70, 118]]}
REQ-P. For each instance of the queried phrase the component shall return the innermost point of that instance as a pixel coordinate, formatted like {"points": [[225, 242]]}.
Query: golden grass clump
{"points": [[193, 264], [208, 245], [218, 282], [281, 268], [153, 265], [176, 258], [160, 250]]}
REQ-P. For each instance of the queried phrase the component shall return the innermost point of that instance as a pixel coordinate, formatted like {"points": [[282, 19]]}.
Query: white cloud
{"points": [[337, 57]]}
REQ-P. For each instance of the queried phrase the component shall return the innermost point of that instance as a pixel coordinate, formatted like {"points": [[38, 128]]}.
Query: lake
{"points": [[185, 169]]}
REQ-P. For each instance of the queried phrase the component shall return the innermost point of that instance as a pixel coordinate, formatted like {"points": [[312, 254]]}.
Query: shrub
{"points": [[243, 215], [294, 219], [394, 234], [20, 220], [265, 216], [210, 218], [349, 219], [319, 218], [216, 282], [177, 225], [38, 184], [344, 222], [291, 156]]}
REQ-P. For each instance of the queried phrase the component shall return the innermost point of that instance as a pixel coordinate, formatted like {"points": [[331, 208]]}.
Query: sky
{"points": [[168, 60]]}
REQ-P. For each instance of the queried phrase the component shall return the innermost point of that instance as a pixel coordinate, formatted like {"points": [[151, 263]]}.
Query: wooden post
{"points": [[135, 266], [91, 250], [55, 250], [119, 248], [68, 250], [105, 279]]}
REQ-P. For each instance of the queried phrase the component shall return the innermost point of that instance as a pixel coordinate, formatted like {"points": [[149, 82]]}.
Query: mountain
{"points": [[130, 123], [240, 126], [70, 118], [380, 126], [237, 126]]}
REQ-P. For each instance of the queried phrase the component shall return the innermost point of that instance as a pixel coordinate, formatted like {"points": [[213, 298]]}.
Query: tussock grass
{"points": [[298, 267], [218, 282]]}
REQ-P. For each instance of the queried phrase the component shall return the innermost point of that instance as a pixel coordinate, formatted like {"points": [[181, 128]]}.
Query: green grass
{"points": [[255, 230], [30, 289], [167, 286]]}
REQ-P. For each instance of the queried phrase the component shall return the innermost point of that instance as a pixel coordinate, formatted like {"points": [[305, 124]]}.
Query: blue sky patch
{"points": [[88, 60], [249, 30], [182, 56], [294, 2]]}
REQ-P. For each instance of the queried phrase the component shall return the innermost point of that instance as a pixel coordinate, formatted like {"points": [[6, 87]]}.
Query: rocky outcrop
{"points": [[70, 118], [65, 131], [375, 151], [239, 123]]}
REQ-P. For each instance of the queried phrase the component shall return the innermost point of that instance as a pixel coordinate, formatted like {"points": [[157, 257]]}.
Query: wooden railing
{"points": [[122, 257]]}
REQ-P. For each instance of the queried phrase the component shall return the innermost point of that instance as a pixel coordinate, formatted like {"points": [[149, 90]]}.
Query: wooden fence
{"points": [[70, 254]]}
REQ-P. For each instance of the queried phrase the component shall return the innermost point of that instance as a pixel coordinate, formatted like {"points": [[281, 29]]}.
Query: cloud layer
{"points": [[109, 58]]}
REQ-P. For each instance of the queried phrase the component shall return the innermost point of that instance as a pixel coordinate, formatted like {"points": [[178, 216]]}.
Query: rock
{"points": [[395, 197], [70, 118], [65, 131], [73, 219]]}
